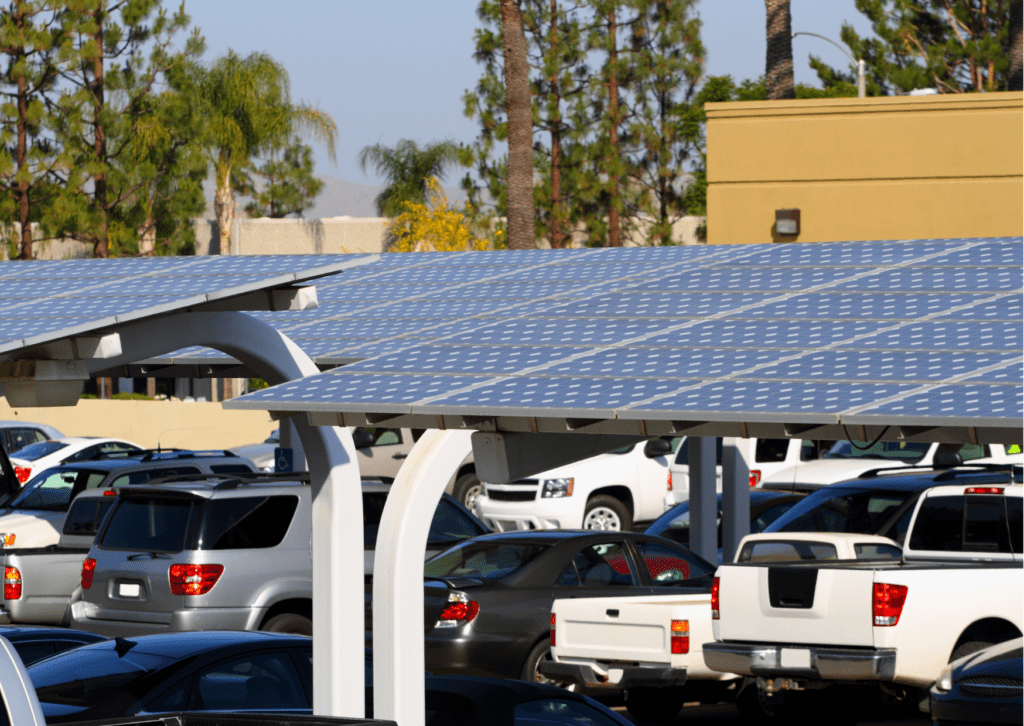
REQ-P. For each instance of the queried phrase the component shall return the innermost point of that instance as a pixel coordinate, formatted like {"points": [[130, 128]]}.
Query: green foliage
{"points": [[954, 46], [284, 183], [406, 168], [126, 396], [256, 384]]}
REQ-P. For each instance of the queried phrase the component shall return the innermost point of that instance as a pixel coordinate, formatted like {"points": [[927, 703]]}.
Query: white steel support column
{"points": [[338, 609], [398, 656], [703, 497], [735, 495]]}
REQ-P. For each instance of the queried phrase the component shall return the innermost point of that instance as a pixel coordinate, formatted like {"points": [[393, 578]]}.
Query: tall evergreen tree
{"points": [[283, 185], [519, 184], [953, 46], [31, 33]]}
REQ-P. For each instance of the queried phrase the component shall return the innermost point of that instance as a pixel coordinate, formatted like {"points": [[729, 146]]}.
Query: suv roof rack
{"points": [[947, 472], [228, 481], [129, 453]]}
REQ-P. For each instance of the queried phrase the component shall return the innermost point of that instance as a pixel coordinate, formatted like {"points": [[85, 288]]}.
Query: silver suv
{"points": [[178, 555]]}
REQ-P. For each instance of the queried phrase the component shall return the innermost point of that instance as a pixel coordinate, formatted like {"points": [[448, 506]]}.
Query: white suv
{"points": [[606, 492]]}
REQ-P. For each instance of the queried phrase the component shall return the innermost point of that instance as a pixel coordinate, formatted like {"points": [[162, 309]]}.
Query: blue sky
{"points": [[393, 69]]}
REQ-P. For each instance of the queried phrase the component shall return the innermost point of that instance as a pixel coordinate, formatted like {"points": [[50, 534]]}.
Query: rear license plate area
{"points": [[795, 658], [130, 590]]}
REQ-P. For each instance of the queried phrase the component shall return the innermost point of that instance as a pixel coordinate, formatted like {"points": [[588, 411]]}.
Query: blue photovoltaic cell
{"points": [[863, 254], [653, 305], [945, 336], [99, 307], [466, 359], [558, 393], [1005, 308], [936, 279], [1012, 374], [733, 333], [957, 401], [661, 363], [854, 305], [757, 397], [558, 332], [355, 328], [386, 390], [1003, 253], [729, 279], [173, 286], [360, 349], [437, 309], [879, 366]]}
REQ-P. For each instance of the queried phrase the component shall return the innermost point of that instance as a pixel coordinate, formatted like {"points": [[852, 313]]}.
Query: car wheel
{"points": [[654, 705], [531, 671], [289, 623], [467, 489], [607, 513]]}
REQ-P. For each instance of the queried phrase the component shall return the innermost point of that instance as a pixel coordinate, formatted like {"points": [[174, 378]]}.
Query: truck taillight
{"points": [[680, 637], [755, 477], [714, 599], [23, 473], [983, 490], [193, 579], [887, 603], [8, 539], [460, 610], [669, 482], [552, 630], [12, 583], [88, 570]]}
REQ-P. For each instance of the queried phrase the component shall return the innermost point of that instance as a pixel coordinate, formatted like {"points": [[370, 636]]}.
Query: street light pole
{"points": [[861, 85]]}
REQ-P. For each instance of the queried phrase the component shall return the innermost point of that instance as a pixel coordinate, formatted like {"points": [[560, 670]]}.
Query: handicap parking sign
{"points": [[283, 461]]}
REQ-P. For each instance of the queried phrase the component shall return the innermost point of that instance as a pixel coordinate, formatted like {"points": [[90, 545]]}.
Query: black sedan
{"points": [[501, 587], [35, 643], [984, 687]]}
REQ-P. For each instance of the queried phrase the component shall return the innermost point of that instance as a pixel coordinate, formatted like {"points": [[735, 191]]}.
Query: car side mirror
{"points": [[362, 439], [657, 447], [947, 460]]}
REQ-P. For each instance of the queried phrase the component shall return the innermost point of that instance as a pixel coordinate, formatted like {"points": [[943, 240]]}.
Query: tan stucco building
{"points": [[905, 167]]}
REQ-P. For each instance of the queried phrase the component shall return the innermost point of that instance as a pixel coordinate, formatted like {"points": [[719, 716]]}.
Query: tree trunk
{"points": [[557, 232], [519, 184], [100, 246], [614, 223], [24, 207], [1016, 81], [778, 70], [224, 204]]}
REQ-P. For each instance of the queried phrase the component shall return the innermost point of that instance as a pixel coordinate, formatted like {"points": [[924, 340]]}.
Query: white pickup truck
{"points": [[806, 625], [650, 648]]}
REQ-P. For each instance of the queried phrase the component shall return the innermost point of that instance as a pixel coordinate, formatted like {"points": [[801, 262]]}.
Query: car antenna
{"points": [[122, 646]]}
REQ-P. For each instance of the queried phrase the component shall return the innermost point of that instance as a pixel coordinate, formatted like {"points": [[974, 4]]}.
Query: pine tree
{"points": [[284, 183]]}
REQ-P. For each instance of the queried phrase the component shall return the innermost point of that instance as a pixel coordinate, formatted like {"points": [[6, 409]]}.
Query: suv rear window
{"points": [[971, 523], [33, 452], [147, 525], [245, 523]]}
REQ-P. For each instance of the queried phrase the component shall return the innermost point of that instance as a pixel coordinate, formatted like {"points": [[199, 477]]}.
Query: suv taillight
{"points": [[12, 583], [23, 473], [460, 610], [714, 599], [552, 630], [88, 570], [669, 483], [680, 637], [755, 477], [193, 579], [887, 603]]}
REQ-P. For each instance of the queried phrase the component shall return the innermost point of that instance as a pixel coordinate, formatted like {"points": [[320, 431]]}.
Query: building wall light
{"points": [[787, 222]]}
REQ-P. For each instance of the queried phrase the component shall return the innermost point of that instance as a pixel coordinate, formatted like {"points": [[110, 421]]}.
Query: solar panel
{"points": [[814, 331]]}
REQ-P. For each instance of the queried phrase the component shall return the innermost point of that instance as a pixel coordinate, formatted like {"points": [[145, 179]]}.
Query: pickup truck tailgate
{"points": [[794, 604], [632, 629]]}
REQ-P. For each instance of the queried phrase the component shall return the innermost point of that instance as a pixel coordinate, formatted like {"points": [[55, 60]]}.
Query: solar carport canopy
{"points": [[913, 340]]}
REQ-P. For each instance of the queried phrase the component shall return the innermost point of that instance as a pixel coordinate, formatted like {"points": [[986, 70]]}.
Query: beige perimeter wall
{"points": [[874, 168], [170, 424]]}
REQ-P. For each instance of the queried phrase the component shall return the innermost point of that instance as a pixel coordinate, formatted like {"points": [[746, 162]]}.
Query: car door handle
{"points": [[612, 613], [399, 456]]}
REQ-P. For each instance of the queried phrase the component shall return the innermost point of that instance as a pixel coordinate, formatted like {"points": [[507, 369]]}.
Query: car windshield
{"points": [[559, 712], [32, 452], [858, 511], [902, 451], [54, 489], [489, 560], [451, 524], [86, 677]]}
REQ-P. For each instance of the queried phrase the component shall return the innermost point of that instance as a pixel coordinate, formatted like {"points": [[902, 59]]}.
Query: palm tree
{"points": [[249, 111], [406, 169], [778, 71], [519, 183]]}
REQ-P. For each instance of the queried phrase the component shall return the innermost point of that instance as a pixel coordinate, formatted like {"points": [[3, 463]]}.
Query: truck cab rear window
{"points": [[86, 515], [982, 523]]}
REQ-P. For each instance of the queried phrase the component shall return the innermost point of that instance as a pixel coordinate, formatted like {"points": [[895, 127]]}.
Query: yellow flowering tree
{"points": [[434, 226]]}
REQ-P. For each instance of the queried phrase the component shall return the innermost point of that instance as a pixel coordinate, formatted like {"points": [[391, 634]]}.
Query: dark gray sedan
{"points": [[501, 587]]}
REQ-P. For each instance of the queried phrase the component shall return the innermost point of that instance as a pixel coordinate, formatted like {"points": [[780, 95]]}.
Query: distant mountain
{"points": [[339, 198]]}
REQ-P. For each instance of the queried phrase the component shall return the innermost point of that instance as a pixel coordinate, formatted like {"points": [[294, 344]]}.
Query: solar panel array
{"points": [[42, 301], [913, 332]]}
